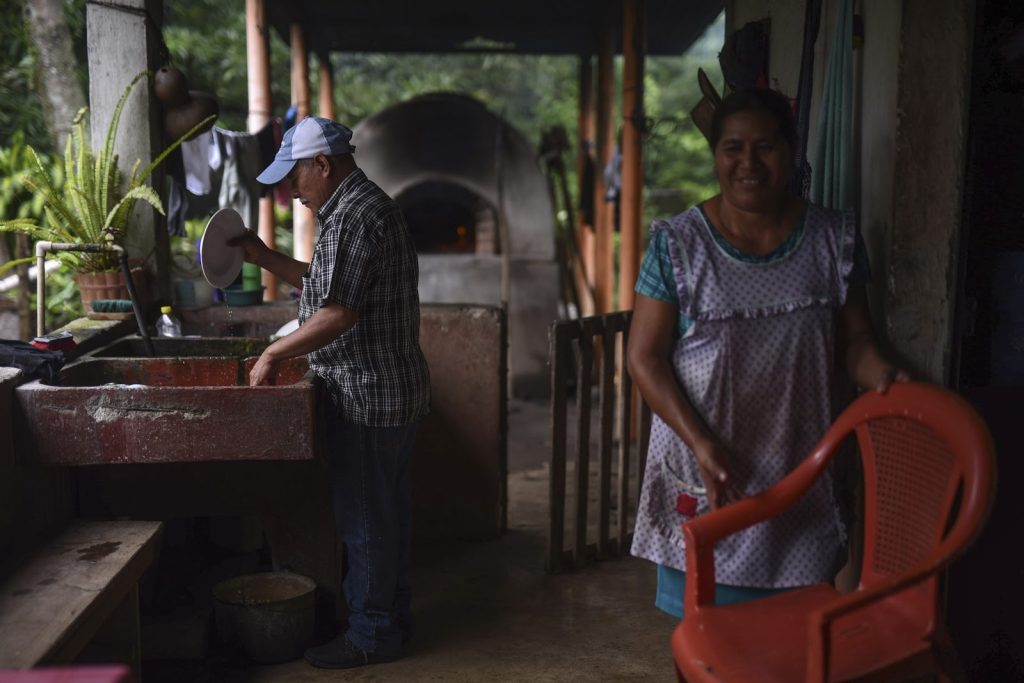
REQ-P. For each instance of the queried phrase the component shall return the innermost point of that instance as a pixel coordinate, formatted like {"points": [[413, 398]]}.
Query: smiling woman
{"points": [[754, 141], [732, 345]]}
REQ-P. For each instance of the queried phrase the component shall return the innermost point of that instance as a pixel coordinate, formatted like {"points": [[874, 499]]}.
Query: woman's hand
{"points": [[865, 363], [650, 342], [886, 374], [713, 461]]}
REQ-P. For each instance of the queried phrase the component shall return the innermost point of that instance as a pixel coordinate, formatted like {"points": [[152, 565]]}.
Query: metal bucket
{"points": [[268, 617]]}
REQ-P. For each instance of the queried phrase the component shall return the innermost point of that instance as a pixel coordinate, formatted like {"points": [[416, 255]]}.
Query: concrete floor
{"points": [[487, 611]]}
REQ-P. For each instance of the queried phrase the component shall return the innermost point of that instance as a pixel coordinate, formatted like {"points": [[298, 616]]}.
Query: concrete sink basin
{"points": [[161, 410], [184, 347]]}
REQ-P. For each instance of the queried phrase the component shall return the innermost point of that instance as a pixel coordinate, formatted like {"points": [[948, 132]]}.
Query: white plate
{"points": [[221, 263], [287, 328]]}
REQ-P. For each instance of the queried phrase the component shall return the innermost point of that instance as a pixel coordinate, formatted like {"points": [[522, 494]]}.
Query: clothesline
{"points": [[218, 169]]}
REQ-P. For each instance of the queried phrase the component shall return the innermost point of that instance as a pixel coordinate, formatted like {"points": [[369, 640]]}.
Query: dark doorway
{"points": [[984, 588]]}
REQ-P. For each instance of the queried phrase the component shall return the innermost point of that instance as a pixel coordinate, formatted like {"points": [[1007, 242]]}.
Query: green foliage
{"points": [[16, 201], [534, 93], [20, 110], [91, 207], [63, 304], [206, 41], [679, 165], [74, 13]]}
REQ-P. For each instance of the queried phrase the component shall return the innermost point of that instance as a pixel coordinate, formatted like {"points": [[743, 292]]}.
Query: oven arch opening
{"points": [[447, 218]]}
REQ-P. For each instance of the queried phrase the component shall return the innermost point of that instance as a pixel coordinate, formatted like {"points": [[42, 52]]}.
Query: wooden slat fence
{"points": [[585, 353]]}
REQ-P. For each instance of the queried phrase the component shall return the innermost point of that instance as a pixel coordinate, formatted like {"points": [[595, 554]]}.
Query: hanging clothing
{"points": [[613, 176], [291, 117], [800, 183], [832, 171], [218, 169], [744, 57], [239, 188], [177, 206], [761, 333], [195, 154]]}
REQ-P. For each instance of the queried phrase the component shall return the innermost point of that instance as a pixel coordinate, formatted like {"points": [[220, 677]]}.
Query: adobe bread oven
{"points": [[480, 211]]}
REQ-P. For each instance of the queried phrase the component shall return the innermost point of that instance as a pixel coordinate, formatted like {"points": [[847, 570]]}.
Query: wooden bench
{"points": [[79, 590]]}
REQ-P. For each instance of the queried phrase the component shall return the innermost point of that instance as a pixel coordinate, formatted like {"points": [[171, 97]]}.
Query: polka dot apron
{"points": [[756, 364]]}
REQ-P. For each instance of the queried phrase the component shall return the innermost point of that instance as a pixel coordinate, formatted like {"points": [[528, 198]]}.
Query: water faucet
{"points": [[44, 246]]}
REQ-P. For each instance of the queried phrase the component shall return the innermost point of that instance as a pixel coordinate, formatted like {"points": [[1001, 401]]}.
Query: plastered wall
{"points": [[911, 88]]}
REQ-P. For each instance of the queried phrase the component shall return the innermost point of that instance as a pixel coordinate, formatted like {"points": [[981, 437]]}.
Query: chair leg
{"points": [[947, 662]]}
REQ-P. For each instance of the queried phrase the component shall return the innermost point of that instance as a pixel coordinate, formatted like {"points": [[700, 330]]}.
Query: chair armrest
{"points": [[820, 620], [954, 545], [702, 533]]}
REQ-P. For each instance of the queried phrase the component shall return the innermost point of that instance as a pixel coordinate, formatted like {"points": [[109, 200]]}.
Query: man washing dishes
{"points": [[359, 329]]}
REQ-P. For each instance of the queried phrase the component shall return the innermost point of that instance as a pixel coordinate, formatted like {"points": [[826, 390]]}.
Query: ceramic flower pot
{"points": [[109, 285]]}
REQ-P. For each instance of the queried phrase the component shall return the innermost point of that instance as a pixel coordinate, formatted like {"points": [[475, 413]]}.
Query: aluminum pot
{"points": [[268, 617]]}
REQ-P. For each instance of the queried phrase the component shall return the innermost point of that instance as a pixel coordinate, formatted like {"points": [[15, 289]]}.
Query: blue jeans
{"points": [[372, 513]]}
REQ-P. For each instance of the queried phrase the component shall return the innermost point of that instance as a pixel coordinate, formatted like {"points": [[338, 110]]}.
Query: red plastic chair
{"points": [[929, 483], [84, 673]]}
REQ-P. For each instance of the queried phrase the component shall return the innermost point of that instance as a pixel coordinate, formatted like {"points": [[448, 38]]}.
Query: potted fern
{"points": [[93, 204]]}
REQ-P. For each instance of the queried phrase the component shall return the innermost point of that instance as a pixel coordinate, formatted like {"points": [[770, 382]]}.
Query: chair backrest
{"points": [[929, 479]]}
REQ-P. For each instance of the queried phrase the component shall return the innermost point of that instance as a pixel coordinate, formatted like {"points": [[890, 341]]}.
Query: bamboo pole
{"points": [[325, 91], [631, 204], [258, 63], [583, 268], [604, 274], [302, 217]]}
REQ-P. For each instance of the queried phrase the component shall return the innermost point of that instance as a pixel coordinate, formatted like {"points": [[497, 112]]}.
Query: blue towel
{"points": [[832, 172]]}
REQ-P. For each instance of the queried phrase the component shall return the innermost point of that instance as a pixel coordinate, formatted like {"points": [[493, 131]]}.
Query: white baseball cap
{"points": [[311, 136]]}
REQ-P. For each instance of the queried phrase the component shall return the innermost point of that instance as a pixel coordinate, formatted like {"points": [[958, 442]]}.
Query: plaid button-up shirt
{"points": [[364, 260]]}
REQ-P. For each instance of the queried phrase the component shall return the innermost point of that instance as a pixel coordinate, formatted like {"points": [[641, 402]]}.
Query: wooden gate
{"points": [[587, 358]]}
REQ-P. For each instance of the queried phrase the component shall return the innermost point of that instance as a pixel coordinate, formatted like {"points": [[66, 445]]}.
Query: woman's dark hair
{"points": [[761, 99]]}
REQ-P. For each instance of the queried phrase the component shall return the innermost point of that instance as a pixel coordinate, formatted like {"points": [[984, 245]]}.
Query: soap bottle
{"points": [[167, 325]]}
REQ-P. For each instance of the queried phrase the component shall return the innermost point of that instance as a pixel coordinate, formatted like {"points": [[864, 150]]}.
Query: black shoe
{"points": [[342, 654]]}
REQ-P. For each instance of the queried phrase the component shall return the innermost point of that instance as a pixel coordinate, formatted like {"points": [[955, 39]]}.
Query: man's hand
{"points": [[255, 250], [264, 372], [283, 266], [323, 327]]}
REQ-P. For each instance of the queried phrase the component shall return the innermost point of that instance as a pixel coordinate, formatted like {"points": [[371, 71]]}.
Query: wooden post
{"points": [[560, 339], [258, 60], [626, 413], [631, 206], [611, 327], [589, 328], [123, 38], [325, 91], [584, 270], [302, 217], [604, 273]]}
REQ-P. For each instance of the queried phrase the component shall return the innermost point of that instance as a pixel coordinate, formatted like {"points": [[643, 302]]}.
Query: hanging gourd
{"points": [[183, 108]]}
